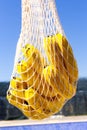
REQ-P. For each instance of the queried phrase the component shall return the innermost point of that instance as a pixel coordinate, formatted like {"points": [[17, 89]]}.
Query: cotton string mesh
{"points": [[45, 70]]}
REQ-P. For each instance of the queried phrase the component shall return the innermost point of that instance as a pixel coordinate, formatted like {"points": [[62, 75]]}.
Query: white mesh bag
{"points": [[45, 70]]}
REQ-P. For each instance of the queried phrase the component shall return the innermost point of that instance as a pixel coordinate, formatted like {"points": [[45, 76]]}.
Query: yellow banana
{"points": [[18, 84], [33, 114], [17, 93], [52, 106], [33, 56], [10, 97], [28, 50], [42, 90], [25, 104], [17, 102], [68, 57], [26, 109], [58, 82], [43, 107], [45, 89], [30, 97], [46, 105], [33, 65], [60, 54], [28, 72], [22, 66], [13, 100], [55, 55]]}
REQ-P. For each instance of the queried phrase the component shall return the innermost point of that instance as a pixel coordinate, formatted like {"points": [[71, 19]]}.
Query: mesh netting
{"points": [[45, 70]]}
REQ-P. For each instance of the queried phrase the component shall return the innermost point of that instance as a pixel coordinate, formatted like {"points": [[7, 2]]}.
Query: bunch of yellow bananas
{"points": [[42, 90], [60, 54]]}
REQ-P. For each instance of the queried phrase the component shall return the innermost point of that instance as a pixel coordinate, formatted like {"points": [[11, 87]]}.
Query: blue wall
{"points": [[61, 126]]}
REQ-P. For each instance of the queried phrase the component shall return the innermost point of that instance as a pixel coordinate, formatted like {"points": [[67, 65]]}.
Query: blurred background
{"points": [[73, 17]]}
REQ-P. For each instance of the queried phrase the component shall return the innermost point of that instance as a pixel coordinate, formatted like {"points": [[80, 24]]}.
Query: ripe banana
{"points": [[41, 107], [55, 55], [58, 82], [33, 65], [69, 59], [26, 109], [52, 106], [33, 56], [28, 50], [45, 89], [60, 54], [27, 72], [33, 114], [17, 84], [42, 90]]}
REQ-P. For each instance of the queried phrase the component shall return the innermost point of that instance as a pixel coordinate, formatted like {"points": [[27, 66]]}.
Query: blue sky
{"points": [[73, 16]]}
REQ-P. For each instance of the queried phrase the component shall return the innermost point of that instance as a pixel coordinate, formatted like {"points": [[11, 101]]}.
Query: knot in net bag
{"points": [[45, 70]]}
